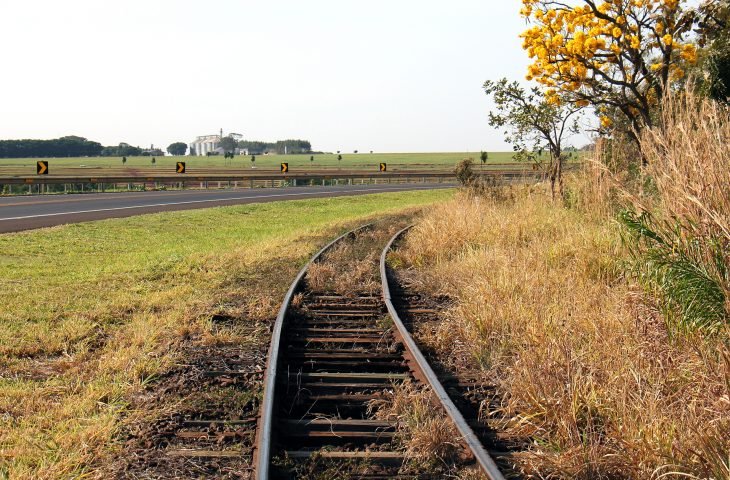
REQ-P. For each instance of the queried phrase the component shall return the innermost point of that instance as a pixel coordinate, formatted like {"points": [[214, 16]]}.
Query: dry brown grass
{"points": [[424, 429], [688, 161], [342, 271], [595, 189], [587, 370], [352, 266]]}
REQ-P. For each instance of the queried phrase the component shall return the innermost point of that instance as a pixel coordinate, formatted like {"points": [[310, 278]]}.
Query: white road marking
{"points": [[375, 190]]}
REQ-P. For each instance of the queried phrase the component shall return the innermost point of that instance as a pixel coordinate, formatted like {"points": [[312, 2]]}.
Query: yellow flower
{"points": [[573, 47], [689, 53], [552, 99]]}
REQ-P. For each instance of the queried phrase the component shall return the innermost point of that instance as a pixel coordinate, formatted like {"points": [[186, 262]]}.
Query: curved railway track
{"points": [[331, 356]]}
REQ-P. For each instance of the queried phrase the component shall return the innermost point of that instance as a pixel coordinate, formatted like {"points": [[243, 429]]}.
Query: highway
{"points": [[29, 212]]}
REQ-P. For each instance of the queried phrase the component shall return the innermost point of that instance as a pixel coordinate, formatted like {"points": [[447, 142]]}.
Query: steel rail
{"points": [[425, 372], [264, 430]]}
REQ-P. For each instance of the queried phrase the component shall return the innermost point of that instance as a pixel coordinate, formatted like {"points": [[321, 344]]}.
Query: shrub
{"points": [[484, 186], [465, 173], [687, 274]]}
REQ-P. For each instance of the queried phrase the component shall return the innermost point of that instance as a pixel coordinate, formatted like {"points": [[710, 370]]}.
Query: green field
{"points": [[243, 164], [91, 313]]}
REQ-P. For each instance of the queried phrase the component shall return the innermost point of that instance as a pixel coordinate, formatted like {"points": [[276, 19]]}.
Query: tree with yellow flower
{"points": [[616, 55]]}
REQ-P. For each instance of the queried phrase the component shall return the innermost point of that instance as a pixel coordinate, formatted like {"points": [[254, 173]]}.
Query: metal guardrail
{"points": [[186, 178], [52, 184], [75, 184]]}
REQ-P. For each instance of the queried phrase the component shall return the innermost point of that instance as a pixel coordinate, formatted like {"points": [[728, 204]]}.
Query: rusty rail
{"points": [[426, 373], [266, 419]]}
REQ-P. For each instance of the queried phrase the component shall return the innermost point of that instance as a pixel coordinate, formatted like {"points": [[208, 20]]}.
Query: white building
{"points": [[205, 144]]}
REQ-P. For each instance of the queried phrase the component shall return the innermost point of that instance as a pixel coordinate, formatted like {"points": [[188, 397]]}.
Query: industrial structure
{"points": [[210, 144]]}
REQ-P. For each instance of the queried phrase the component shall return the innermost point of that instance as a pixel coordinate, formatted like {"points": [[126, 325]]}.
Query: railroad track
{"points": [[333, 357]]}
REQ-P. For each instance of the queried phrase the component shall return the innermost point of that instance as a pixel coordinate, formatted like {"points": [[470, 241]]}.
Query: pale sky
{"points": [[388, 76]]}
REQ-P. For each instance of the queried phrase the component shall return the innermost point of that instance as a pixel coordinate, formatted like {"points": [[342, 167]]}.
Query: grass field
{"points": [[92, 313], [241, 164]]}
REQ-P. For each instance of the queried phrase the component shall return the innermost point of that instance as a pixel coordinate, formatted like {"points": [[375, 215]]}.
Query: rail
{"points": [[426, 373], [264, 430], [415, 359]]}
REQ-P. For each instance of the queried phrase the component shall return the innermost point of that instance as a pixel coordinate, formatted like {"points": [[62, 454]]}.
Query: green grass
{"points": [[297, 163], [48, 277], [92, 312]]}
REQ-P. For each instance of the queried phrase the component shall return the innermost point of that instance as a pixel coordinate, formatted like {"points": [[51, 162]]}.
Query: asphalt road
{"points": [[29, 212]]}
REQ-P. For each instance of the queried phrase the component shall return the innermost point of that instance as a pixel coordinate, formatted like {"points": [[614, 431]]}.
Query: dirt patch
{"points": [[200, 417], [38, 368]]}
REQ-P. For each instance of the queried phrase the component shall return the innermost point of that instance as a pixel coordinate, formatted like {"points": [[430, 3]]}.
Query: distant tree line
{"points": [[73, 146], [122, 150], [70, 146], [127, 150], [278, 147]]}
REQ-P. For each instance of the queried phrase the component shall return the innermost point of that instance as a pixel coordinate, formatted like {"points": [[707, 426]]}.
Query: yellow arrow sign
{"points": [[180, 167], [284, 167], [383, 167], [41, 168]]}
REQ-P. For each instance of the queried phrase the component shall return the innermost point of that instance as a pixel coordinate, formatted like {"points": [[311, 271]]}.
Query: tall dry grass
{"points": [[681, 232], [689, 160], [597, 189], [587, 371]]}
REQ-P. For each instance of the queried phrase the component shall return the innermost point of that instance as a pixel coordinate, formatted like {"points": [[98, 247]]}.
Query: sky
{"points": [[387, 76]]}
